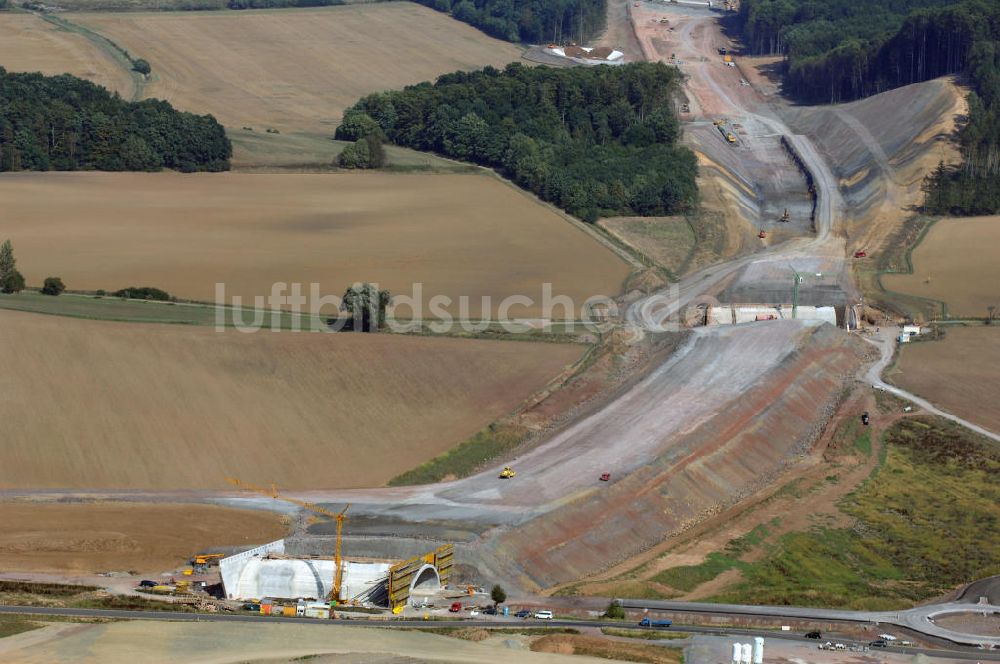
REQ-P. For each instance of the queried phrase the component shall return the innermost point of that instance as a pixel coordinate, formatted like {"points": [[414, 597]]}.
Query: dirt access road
{"points": [[885, 341], [714, 88]]}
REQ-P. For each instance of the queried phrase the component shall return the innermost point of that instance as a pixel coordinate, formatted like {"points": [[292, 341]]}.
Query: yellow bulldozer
{"points": [[507, 473]]}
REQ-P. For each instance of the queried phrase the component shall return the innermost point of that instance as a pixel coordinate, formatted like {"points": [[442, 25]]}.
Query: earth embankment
{"points": [[880, 149], [715, 462]]}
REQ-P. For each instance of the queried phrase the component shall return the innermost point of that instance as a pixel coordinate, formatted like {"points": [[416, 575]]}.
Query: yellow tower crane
{"points": [[339, 517]]}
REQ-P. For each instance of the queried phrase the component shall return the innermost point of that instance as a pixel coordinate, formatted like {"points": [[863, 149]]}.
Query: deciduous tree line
{"points": [[64, 123], [531, 21], [596, 141]]}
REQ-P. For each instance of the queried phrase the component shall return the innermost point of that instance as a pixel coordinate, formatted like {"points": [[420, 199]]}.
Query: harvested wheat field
{"points": [[271, 642], [458, 235], [29, 44], [87, 538], [299, 68], [958, 373], [958, 262], [96, 404]]}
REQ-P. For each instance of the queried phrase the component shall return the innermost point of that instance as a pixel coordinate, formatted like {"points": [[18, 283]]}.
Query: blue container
{"points": [[506, 610]]}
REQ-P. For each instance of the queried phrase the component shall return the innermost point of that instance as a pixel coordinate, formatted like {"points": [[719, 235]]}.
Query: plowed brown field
{"points": [[87, 538], [29, 44], [116, 405], [456, 234], [959, 263], [957, 373], [298, 68]]}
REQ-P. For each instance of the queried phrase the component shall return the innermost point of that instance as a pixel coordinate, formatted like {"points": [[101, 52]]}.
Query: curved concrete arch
{"points": [[426, 578]]}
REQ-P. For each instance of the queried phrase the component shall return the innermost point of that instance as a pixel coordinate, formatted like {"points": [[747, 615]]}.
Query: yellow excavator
{"points": [[507, 473]]}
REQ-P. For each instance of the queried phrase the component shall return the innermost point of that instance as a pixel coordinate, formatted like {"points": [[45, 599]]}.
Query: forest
{"points": [[595, 141], [529, 21], [64, 123], [841, 50]]}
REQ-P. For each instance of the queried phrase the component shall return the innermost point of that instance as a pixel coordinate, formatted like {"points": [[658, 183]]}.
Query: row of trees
{"points": [[65, 123], [12, 281], [596, 141], [840, 50], [530, 21], [269, 4]]}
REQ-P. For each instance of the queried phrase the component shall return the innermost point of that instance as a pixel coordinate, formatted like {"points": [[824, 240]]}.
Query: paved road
{"points": [[885, 341], [426, 624], [918, 619]]}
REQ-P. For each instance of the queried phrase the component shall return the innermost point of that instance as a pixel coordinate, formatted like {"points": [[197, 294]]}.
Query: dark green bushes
{"points": [[143, 293]]}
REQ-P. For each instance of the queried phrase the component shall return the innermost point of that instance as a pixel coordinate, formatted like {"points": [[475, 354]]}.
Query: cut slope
{"points": [[29, 44], [711, 463], [458, 235], [299, 68], [113, 405], [882, 147], [958, 263]]}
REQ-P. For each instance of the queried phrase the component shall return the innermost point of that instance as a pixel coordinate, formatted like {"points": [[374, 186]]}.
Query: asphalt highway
{"points": [[919, 619], [115, 614]]}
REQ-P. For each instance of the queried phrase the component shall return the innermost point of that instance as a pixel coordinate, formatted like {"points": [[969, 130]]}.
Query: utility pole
{"points": [[795, 293]]}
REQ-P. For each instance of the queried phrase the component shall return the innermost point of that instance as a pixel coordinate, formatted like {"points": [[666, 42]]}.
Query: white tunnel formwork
{"points": [[736, 314], [265, 572]]}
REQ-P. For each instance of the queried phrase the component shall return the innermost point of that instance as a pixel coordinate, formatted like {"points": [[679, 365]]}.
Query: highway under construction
{"points": [[740, 400]]}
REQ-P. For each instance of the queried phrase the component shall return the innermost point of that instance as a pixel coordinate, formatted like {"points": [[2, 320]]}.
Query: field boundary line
{"points": [[908, 270], [590, 229], [106, 46]]}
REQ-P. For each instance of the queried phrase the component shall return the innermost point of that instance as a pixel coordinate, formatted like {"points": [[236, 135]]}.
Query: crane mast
{"points": [[338, 517]]}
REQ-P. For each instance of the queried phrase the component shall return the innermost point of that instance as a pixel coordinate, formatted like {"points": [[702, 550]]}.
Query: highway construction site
{"points": [[736, 406], [758, 369]]}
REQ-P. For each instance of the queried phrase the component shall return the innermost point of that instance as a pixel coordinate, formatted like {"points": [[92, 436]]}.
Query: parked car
{"points": [[543, 615], [879, 643], [490, 610], [455, 607], [523, 613], [814, 635], [146, 583]]}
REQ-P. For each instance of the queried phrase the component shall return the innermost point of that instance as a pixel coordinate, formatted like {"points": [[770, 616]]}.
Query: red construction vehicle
{"points": [[605, 477], [860, 253], [762, 234]]}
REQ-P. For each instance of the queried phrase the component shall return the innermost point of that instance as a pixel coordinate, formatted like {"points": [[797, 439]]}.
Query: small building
{"points": [[903, 338], [911, 329]]}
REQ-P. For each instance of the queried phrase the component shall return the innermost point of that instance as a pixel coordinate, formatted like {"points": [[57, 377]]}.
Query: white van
{"points": [[543, 615]]}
